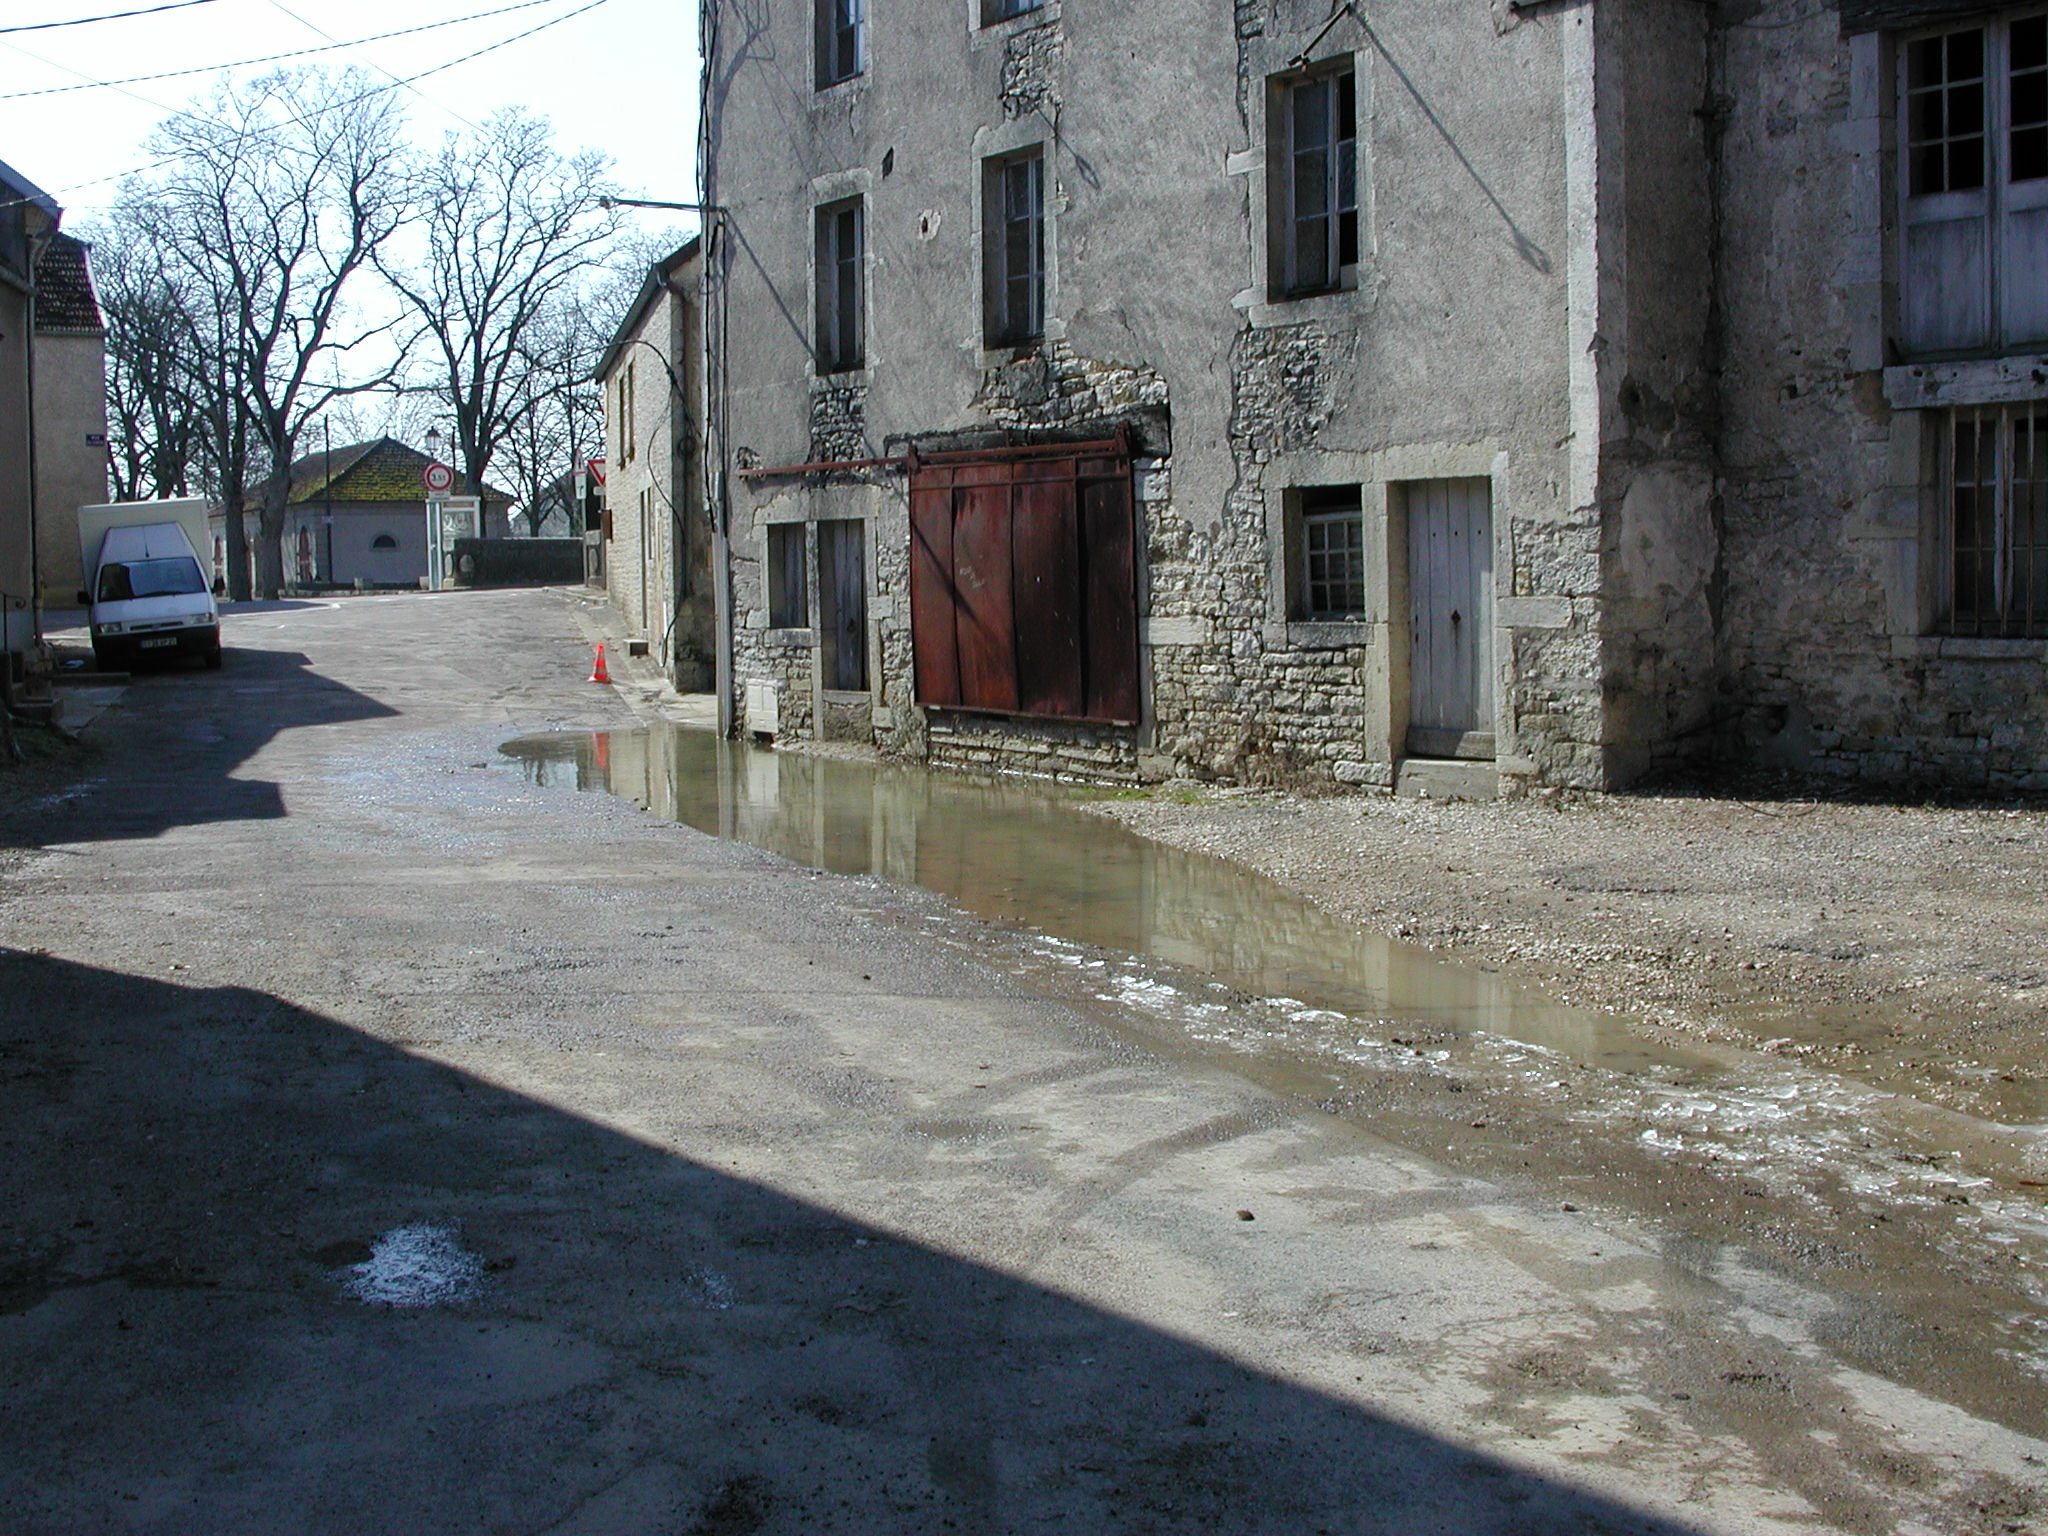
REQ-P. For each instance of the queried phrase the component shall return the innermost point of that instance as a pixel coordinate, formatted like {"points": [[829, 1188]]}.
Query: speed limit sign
{"points": [[439, 478]]}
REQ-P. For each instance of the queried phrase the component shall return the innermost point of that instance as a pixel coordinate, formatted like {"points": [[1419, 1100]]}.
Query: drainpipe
{"points": [[712, 469]]}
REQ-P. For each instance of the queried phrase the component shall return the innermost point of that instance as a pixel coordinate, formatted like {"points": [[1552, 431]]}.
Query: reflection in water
{"points": [[1018, 854]]}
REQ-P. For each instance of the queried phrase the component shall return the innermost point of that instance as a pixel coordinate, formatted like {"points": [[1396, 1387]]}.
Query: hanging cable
{"points": [[86, 21], [271, 58], [376, 90]]}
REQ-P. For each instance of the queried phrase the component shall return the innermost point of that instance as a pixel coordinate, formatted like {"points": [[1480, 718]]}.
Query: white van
{"points": [[151, 595]]}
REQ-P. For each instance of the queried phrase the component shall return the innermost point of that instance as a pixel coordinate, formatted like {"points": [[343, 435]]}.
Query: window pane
{"points": [[788, 597], [1923, 64], [1945, 112], [1020, 251], [2029, 141], [2030, 43], [1332, 531], [1965, 164], [1965, 55]]}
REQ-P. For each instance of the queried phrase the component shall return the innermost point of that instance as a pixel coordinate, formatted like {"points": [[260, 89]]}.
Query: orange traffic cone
{"points": [[598, 674]]}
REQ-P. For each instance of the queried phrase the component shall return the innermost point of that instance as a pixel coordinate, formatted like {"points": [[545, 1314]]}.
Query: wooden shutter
{"points": [[1023, 583]]}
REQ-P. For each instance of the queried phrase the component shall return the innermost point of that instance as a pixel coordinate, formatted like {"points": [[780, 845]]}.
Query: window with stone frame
{"points": [[622, 416], [1973, 188], [1312, 181], [1327, 530], [841, 242], [993, 11], [841, 44], [1013, 248], [789, 592], [1995, 527]]}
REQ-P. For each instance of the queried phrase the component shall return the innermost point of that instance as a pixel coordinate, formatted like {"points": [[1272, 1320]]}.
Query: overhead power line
{"points": [[86, 21], [375, 90], [269, 58]]}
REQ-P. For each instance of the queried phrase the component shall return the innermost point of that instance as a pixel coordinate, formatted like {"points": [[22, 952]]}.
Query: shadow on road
{"points": [[174, 744], [658, 1346]]}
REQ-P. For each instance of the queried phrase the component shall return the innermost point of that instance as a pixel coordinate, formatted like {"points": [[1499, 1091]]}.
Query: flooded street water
{"points": [[1023, 856], [1903, 1237]]}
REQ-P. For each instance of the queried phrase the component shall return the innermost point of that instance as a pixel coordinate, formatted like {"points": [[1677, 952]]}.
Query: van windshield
{"points": [[174, 577]]}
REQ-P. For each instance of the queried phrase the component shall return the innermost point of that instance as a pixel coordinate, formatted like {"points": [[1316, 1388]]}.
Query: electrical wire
{"points": [[283, 9], [376, 90], [270, 58], [86, 21]]}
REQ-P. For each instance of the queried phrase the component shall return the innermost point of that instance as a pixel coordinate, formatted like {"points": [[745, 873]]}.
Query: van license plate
{"points": [[162, 640]]}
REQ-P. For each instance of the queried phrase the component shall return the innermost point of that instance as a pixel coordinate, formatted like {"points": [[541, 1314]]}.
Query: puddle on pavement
{"points": [[1023, 856], [1860, 1195]]}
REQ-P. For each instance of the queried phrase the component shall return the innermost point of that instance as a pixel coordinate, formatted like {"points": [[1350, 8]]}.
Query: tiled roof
{"points": [[64, 298], [382, 470]]}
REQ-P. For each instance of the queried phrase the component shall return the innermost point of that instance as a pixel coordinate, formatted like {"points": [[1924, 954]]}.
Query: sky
{"points": [[620, 78]]}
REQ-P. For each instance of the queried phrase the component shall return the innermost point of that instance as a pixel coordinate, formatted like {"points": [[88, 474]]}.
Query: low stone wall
{"points": [[1052, 749], [518, 562]]}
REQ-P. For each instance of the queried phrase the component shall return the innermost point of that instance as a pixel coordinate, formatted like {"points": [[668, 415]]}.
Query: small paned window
{"points": [[1315, 175], [1973, 181], [841, 243], [842, 40], [1945, 112], [789, 595], [1014, 248], [1332, 556], [993, 11], [1997, 522]]}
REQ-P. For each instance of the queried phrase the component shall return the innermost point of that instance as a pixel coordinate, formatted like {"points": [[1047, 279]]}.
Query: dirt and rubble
{"points": [[1901, 943]]}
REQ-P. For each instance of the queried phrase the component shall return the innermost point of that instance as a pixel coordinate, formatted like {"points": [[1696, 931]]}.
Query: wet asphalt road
{"points": [[739, 1203]]}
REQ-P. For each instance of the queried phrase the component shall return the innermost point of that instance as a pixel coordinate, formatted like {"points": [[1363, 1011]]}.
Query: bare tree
{"points": [[273, 196], [563, 424], [153, 364], [512, 228]]}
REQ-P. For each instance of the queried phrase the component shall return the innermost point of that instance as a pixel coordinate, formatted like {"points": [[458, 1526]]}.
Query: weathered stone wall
{"points": [[1833, 659], [1470, 342]]}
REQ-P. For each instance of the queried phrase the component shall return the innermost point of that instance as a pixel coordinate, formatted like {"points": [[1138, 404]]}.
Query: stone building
{"points": [[1441, 397], [657, 562], [71, 419], [358, 515]]}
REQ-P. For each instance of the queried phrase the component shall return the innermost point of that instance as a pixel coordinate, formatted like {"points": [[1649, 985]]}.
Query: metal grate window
{"points": [[1997, 494], [1332, 553]]}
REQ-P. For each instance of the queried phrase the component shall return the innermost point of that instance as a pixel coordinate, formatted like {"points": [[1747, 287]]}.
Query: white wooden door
{"points": [[1450, 599]]}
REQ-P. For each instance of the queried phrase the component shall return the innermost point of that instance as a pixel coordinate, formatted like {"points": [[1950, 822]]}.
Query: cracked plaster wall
{"points": [[1463, 348]]}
